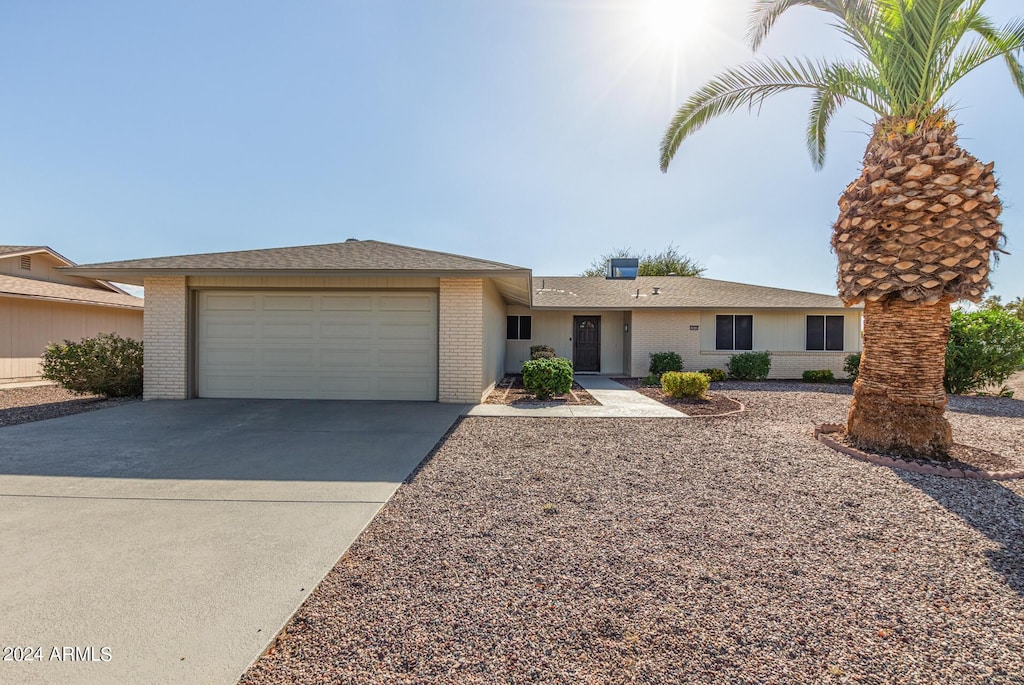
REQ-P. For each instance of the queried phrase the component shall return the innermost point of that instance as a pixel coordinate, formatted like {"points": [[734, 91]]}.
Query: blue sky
{"points": [[523, 131]]}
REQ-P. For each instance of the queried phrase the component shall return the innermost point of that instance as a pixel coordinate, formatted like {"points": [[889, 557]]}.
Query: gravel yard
{"points": [[725, 550], [22, 405]]}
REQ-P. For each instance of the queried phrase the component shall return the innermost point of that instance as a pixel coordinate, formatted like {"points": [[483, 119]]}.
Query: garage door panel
{"points": [[287, 330], [230, 303], [399, 331], [346, 303], [245, 357], [288, 357], [361, 358], [346, 331], [406, 303], [406, 359], [287, 303], [228, 330], [329, 345]]}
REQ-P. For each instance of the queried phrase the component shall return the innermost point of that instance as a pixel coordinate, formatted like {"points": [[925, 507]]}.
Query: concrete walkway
{"points": [[617, 401], [168, 542]]}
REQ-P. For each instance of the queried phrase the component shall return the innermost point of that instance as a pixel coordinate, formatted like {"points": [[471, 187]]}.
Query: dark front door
{"points": [[586, 343]]}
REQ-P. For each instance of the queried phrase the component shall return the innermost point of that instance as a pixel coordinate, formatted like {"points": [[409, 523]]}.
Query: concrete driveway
{"points": [[167, 542]]}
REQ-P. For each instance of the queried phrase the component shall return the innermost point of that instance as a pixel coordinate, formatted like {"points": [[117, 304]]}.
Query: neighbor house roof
{"points": [[14, 286], [7, 251], [351, 257], [674, 292]]}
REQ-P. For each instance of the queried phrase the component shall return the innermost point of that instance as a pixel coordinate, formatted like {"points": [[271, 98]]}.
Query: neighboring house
{"points": [[40, 304], [372, 320]]}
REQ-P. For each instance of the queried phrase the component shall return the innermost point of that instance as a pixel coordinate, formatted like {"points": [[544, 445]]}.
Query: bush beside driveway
{"points": [[735, 549]]}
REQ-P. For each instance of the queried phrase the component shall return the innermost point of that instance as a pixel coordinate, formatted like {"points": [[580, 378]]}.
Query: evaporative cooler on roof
{"points": [[624, 268]]}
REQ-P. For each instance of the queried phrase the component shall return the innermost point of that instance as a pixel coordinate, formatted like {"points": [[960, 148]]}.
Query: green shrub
{"points": [[663, 362], [106, 365], [714, 374], [819, 376], [851, 367], [651, 381], [985, 348], [547, 377], [542, 352], [679, 385], [750, 366]]}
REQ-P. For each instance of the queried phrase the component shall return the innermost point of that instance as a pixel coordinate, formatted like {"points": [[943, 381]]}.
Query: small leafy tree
{"points": [[668, 261], [106, 365], [985, 347], [547, 377]]}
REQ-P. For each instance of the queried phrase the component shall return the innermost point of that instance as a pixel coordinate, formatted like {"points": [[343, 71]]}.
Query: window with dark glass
{"points": [[734, 332], [519, 327], [825, 333]]}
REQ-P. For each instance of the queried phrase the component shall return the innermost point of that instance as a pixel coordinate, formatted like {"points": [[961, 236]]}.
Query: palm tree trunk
{"points": [[898, 399]]}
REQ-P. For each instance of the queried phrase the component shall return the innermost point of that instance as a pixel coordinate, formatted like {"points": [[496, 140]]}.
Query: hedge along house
{"points": [[40, 304], [372, 320], [352, 320], [612, 325]]}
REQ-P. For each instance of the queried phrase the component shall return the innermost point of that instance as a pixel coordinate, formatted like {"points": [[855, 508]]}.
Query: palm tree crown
{"points": [[912, 53]]}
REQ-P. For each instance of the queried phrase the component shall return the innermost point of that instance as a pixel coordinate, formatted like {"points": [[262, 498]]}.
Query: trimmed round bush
{"points": [[818, 376], [750, 366], [663, 362], [547, 377], [679, 385], [714, 375], [106, 365]]}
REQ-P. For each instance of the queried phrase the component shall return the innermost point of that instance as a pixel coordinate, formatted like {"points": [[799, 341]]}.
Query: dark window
{"points": [[825, 333], [734, 332], [519, 327]]}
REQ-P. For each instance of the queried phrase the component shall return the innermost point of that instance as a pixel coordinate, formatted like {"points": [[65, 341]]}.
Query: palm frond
{"points": [[749, 85], [1000, 43]]}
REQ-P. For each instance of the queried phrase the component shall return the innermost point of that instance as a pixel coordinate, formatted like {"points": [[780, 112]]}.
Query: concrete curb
{"points": [[821, 434]]}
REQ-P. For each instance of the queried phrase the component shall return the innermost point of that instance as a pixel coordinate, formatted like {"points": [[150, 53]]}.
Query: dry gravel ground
{"points": [[726, 550], [22, 405]]}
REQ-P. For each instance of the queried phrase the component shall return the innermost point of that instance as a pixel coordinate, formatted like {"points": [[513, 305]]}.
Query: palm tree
{"points": [[917, 229]]}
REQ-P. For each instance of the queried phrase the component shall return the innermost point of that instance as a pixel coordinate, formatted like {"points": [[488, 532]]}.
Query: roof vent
{"points": [[26, 262], [623, 268], [655, 290], [352, 240]]}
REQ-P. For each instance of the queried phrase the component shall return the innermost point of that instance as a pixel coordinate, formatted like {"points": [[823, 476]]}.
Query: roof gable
{"points": [[349, 256]]}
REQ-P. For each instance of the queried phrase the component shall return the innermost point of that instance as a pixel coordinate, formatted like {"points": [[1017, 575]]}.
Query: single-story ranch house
{"points": [[369, 320], [40, 304]]}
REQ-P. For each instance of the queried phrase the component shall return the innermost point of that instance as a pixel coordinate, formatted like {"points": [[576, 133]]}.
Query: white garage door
{"points": [[318, 345]]}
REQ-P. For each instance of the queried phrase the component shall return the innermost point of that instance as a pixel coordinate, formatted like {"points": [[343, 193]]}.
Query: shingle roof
{"points": [[352, 255], [7, 250], [674, 292], [48, 290]]}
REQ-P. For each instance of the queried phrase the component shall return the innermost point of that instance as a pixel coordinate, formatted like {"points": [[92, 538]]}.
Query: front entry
{"points": [[586, 343]]}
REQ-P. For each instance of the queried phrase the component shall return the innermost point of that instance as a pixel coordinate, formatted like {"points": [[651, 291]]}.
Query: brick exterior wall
{"points": [[461, 340], [664, 331], [165, 331]]}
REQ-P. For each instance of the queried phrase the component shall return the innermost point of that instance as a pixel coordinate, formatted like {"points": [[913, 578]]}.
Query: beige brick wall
{"points": [[165, 331], [461, 340], [664, 331]]}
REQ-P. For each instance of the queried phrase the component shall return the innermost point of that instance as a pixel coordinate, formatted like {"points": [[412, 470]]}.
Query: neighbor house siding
{"points": [[27, 326], [554, 329], [461, 340], [166, 336]]}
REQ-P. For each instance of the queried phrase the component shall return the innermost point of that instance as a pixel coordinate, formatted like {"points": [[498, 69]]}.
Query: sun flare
{"points": [[668, 24]]}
